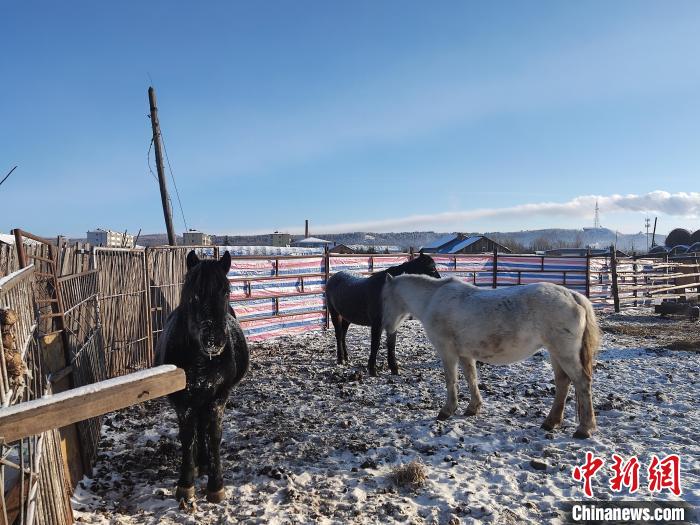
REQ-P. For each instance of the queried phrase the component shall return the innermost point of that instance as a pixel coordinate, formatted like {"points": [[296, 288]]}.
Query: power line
{"points": [[148, 160], [177, 193], [155, 177], [8, 175]]}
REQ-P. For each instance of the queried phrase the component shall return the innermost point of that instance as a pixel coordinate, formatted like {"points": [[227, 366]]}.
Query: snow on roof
{"points": [[439, 242], [313, 240], [271, 250], [464, 243]]}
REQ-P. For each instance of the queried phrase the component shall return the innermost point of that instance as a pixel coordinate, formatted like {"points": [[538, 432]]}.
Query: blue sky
{"points": [[358, 115]]}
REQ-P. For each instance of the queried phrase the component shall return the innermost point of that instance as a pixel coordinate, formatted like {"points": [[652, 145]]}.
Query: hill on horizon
{"points": [[517, 240]]}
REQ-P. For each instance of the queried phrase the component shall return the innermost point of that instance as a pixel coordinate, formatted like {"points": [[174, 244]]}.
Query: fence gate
{"points": [[123, 307], [84, 335]]}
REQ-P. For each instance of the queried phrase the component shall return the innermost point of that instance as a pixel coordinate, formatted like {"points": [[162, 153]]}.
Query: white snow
{"points": [[306, 440]]}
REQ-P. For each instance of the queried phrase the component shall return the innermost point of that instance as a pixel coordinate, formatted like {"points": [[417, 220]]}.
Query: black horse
{"points": [[353, 299], [203, 337]]}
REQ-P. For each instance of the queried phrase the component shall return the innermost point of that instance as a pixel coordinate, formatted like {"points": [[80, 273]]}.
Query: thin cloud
{"points": [[680, 204]]}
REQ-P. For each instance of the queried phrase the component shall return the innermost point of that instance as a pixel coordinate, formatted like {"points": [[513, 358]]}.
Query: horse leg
{"points": [[376, 340], [561, 383], [215, 481], [187, 422], [337, 325], [584, 403], [202, 447], [475, 401], [449, 363], [391, 353], [346, 325], [571, 364]]}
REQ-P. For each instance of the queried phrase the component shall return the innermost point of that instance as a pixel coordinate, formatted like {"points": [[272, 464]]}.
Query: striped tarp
{"points": [[265, 294], [275, 296]]}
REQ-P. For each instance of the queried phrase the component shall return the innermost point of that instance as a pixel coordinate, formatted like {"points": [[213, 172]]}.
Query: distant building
{"points": [[461, 243], [281, 239], [341, 248], [196, 238], [312, 242], [110, 239]]}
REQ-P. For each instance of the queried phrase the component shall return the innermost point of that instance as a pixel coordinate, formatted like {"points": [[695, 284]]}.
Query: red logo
{"points": [[662, 473], [625, 474], [665, 474], [586, 471]]}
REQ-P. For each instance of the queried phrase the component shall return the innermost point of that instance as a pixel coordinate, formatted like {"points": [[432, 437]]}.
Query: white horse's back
{"points": [[467, 324], [504, 325]]}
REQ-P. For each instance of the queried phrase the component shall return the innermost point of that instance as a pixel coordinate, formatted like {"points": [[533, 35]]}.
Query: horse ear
{"points": [[420, 252], [389, 277], [225, 261], [192, 260]]}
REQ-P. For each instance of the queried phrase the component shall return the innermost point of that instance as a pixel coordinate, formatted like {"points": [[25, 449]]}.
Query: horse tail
{"points": [[591, 335]]}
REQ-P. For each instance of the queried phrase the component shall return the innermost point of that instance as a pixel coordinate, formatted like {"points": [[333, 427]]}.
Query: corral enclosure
{"points": [[92, 314]]}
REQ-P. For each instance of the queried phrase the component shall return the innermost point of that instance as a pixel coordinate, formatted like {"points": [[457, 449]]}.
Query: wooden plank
{"points": [[78, 404]]}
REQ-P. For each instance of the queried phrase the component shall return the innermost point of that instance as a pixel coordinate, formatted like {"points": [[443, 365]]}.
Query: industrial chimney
{"points": [[306, 228]]}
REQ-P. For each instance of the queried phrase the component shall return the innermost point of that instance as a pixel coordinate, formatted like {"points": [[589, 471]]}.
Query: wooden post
{"points": [[613, 267], [634, 269], [19, 244], [327, 270], [157, 146], [588, 273], [495, 267]]}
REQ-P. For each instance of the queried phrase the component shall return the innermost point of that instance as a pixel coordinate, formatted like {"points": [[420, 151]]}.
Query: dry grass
{"points": [[412, 475], [691, 345], [634, 330]]}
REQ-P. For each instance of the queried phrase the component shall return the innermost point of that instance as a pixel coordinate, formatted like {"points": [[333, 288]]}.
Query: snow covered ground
{"points": [[307, 441]]}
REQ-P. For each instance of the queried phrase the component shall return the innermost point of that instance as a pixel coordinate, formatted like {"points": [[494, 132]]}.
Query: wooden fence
{"points": [[124, 309], [34, 475], [86, 348]]}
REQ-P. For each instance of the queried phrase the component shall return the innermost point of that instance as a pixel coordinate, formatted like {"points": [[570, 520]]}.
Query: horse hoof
{"points": [[394, 371], [582, 434], [547, 426], [373, 372], [442, 416], [186, 493], [216, 496], [469, 412]]}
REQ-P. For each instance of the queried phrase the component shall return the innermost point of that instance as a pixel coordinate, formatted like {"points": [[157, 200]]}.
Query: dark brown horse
{"points": [[354, 299], [202, 337]]}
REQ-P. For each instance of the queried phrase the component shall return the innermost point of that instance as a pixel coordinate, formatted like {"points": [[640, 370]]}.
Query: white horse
{"points": [[466, 324]]}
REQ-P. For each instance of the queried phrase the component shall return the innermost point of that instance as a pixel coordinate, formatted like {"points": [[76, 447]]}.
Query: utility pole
{"points": [[158, 147]]}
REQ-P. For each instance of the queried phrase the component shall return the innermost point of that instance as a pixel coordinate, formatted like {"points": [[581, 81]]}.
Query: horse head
{"points": [[394, 310], [205, 299], [425, 265]]}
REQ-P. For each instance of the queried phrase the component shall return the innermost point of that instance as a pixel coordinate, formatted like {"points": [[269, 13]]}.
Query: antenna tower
{"points": [[596, 220]]}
